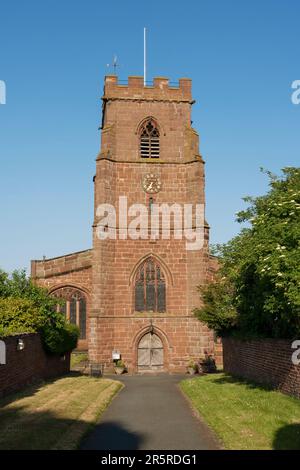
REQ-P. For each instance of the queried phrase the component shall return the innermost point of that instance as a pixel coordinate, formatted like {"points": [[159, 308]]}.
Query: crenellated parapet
{"points": [[160, 89]]}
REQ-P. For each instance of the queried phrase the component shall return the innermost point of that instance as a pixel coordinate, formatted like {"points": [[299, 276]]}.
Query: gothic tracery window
{"points": [[149, 140], [150, 287], [74, 307]]}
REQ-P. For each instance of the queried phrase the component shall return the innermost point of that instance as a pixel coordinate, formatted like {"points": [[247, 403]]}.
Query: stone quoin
{"points": [[136, 296]]}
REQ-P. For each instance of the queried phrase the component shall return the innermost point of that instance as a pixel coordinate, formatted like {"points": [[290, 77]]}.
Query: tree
{"points": [[257, 289], [26, 307]]}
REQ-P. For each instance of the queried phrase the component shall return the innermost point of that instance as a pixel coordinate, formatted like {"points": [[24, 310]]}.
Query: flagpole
{"points": [[144, 56]]}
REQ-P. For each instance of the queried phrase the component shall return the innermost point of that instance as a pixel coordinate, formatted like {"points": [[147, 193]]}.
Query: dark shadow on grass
{"points": [[20, 430], [287, 438], [28, 391], [44, 430], [230, 379], [32, 388]]}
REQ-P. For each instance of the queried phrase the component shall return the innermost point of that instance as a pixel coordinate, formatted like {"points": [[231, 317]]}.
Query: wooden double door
{"points": [[150, 353]]}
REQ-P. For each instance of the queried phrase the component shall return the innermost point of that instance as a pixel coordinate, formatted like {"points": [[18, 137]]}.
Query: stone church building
{"points": [[136, 296]]}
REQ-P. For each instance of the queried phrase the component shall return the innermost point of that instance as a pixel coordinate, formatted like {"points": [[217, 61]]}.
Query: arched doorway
{"points": [[150, 353]]}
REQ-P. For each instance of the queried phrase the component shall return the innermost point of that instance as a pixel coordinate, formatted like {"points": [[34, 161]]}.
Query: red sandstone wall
{"points": [[183, 338], [266, 361], [24, 367], [113, 322], [73, 270]]}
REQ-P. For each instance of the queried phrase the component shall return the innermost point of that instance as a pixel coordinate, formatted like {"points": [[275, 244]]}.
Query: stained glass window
{"points": [[82, 318], [150, 287]]}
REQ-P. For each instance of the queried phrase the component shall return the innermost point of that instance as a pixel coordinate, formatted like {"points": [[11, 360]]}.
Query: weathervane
{"points": [[114, 64]]}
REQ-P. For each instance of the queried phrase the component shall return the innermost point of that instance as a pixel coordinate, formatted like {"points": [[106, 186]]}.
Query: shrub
{"points": [[19, 316], [28, 308], [208, 363], [192, 365], [60, 340], [120, 363], [218, 310]]}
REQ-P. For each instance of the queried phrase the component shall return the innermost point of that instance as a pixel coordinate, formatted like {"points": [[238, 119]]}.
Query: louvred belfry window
{"points": [[150, 288], [149, 140]]}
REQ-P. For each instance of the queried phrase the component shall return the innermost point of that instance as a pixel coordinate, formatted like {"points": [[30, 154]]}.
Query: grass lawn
{"points": [[245, 415], [54, 415]]}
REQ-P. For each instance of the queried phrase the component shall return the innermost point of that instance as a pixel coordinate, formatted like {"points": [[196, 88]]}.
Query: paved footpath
{"points": [[150, 413]]}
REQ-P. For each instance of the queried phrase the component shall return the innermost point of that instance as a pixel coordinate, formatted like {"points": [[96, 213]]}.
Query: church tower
{"points": [[144, 289]]}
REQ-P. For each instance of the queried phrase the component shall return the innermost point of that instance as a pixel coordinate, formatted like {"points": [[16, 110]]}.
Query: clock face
{"points": [[151, 183]]}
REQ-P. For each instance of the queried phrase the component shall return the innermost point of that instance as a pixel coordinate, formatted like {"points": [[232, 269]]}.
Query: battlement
{"points": [[159, 89]]}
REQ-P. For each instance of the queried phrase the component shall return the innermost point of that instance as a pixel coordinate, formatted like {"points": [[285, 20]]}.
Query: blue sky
{"points": [[242, 57]]}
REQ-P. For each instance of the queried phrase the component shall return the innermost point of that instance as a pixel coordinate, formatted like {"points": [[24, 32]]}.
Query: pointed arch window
{"points": [[149, 140], [74, 307], [150, 287]]}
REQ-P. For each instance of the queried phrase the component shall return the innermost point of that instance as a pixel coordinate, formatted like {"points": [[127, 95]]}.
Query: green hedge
{"points": [[22, 315], [60, 340], [19, 316]]}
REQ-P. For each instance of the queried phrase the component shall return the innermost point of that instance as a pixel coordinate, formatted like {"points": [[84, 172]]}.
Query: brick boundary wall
{"points": [[29, 365], [266, 361]]}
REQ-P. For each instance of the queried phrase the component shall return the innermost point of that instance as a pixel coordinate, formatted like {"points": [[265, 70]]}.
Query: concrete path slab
{"points": [[150, 413]]}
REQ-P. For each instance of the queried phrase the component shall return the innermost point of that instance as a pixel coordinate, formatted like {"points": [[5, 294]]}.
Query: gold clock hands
{"points": [[151, 183]]}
